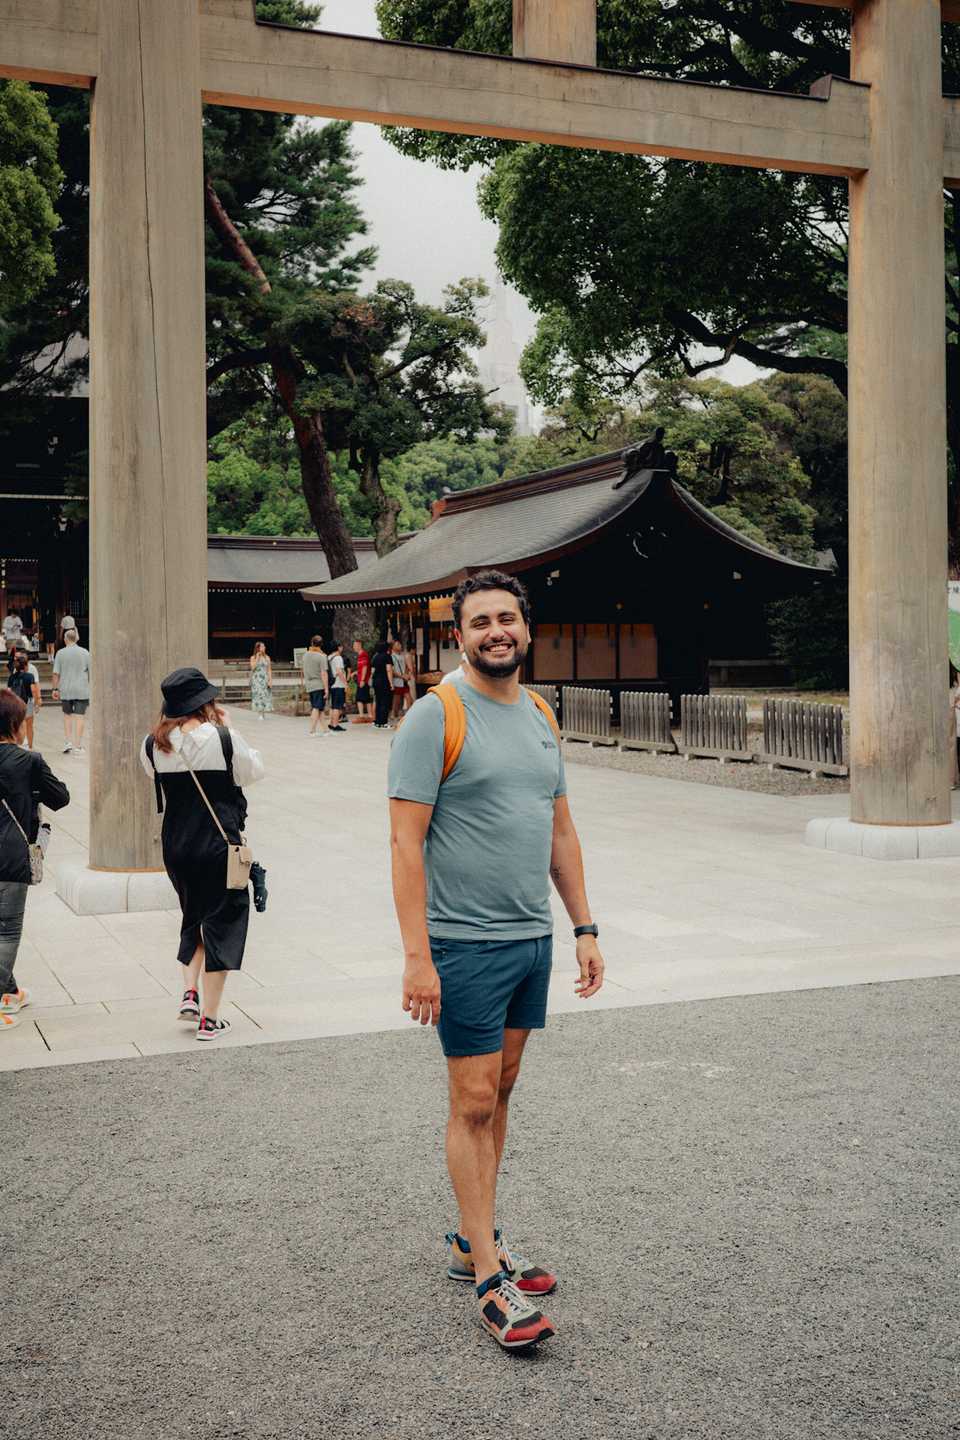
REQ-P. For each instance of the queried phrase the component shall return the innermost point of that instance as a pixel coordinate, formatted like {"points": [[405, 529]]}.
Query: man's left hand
{"points": [[591, 966]]}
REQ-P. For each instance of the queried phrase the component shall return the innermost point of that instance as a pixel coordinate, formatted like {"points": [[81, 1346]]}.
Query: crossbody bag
{"points": [[239, 857], [34, 851]]}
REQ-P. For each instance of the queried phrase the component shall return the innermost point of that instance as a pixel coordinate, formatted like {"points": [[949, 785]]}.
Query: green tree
{"points": [[640, 265], [422, 474], [30, 179], [392, 372]]}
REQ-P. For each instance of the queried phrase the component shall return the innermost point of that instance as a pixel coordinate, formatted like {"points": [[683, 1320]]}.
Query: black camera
{"points": [[258, 879]]}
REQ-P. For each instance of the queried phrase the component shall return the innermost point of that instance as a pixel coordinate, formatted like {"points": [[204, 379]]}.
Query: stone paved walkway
{"points": [[700, 892], [751, 1205]]}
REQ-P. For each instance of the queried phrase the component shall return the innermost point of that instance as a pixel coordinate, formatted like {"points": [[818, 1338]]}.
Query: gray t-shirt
{"points": [[487, 852], [315, 666], [72, 667]]}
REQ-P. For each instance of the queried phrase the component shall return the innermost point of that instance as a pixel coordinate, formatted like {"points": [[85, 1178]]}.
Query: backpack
{"points": [[455, 723], [21, 682]]}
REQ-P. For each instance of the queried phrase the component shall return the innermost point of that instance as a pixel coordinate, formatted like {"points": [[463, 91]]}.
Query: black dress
{"points": [[382, 674], [195, 858]]}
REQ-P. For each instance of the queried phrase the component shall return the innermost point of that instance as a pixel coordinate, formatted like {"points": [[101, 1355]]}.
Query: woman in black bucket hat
{"points": [[192, 735]]}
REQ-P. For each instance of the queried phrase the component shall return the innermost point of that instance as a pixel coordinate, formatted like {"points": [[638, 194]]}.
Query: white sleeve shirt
{"points": [[203, 750]]}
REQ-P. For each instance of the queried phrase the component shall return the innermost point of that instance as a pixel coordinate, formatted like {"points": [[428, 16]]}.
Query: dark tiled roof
{"points": [[272, 562], [517, 524]]}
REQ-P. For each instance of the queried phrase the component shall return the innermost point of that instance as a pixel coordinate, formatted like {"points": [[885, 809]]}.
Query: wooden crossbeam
{"points": [[950, 8], [340, 76], [52, 42], [347, 77]]}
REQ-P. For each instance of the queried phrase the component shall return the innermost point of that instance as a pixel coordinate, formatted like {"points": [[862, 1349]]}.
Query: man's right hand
{"points": [[421, 991]]}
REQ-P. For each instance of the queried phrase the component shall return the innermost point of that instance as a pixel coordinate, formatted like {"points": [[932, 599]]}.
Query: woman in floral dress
{"points": [[261, 680]]}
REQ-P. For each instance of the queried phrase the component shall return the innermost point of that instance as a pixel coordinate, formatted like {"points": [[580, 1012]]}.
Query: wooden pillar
{"points": [[898, 496], [148, 524], [556, 30]]}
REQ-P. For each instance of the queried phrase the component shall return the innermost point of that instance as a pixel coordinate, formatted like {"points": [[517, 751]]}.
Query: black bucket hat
{"points": [[184, 691]]}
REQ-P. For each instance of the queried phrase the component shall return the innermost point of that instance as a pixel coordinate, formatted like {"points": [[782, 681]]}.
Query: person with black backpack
{"points": [[198, 764], [25, 682], [26, 782]]}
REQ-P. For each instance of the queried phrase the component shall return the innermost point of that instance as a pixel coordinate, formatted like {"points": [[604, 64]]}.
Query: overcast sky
{"points": [[424, 221]]}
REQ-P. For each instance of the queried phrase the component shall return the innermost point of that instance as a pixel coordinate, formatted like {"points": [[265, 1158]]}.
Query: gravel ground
{"points": [[752, 1205], [734, 775]]}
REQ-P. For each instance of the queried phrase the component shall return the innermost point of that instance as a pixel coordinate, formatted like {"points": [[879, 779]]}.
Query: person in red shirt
{"points": [[364, 701]]}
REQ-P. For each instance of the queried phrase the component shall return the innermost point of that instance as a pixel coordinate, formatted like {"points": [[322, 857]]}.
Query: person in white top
{"points": [[192, 735], [338, 687], [12, 630]]}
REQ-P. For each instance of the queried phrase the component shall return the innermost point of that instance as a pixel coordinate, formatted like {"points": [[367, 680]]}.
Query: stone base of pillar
{"points": [[885, 842], [113, 892]]}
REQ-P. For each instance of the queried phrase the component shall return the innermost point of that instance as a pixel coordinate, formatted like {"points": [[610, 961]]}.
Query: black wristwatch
{"points": [[593, 930]]}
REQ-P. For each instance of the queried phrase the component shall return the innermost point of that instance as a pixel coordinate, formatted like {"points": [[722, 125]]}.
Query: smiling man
{"points": [[479, 824]]}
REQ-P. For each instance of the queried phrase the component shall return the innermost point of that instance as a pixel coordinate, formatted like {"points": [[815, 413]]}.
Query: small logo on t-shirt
{"points": [[548, 745]]}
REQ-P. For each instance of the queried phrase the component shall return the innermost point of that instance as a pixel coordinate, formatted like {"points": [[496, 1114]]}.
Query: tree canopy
{"points": [[30, 178], [638, 265]]}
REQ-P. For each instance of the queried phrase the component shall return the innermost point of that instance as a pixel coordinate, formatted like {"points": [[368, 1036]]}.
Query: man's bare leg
{"points": [[513, 1043], [472, 1152]]}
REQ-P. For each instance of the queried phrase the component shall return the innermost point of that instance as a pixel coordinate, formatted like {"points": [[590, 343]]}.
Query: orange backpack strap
{"points": [[543, 705], [454, 725]]}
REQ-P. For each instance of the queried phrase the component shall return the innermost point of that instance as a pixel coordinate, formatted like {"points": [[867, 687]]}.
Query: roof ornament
{"points": [[648, 455]]}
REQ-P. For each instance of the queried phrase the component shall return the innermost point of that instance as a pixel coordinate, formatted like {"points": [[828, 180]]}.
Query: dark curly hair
{"points": [[490, 580]]}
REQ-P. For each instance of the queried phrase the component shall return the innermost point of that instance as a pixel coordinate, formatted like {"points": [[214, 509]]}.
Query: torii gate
{"points": [[150, 64]]}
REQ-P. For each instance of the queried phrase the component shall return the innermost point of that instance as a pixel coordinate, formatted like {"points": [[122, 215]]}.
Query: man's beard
{"points": [[500, 669]]}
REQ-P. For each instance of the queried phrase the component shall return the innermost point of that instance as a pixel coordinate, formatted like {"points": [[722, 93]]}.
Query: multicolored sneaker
{"points": [[13, 1002], [528, 1278], [512, 1321], [190, 1005], [211, 1029], [7, 1022]]}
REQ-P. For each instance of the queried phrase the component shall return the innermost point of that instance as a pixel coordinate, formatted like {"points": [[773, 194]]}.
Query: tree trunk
{"points": [[386, 509], [315, 473]]}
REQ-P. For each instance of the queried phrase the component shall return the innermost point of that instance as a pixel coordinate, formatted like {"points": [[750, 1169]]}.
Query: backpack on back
{"points": [[455, 723]]}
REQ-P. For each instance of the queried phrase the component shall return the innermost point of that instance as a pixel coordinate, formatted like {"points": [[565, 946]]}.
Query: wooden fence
{"points": [[645, 721], [800, 735], [714, 725], [548, 693], [586, 715]]}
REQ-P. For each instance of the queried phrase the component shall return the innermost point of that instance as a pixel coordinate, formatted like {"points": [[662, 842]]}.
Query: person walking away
{"points": [[381, 670], [192, 734], [26, 782], [364, 703], [12, 635], [316, 682], [479, 824], [261, 681], [71, 686], [338, 687], [25, 682], [399, 681]]}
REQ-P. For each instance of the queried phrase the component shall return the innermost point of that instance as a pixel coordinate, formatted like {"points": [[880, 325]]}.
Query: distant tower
{"points": [[499, 360]]}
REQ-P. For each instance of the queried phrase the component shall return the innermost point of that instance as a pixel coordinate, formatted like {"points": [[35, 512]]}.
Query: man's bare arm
{"points": [[409, 823], [566, 872]]}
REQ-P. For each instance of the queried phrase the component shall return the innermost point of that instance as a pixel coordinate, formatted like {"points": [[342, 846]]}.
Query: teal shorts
{"points": [[487, 986]]}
